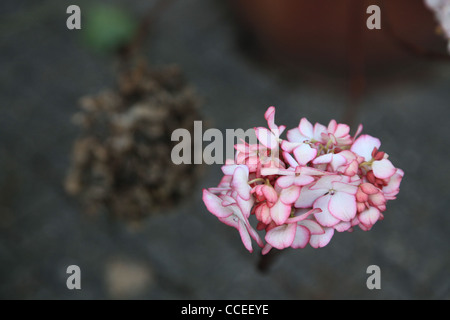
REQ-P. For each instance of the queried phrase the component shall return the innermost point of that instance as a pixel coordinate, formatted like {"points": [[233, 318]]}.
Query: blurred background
{"points": [[309, 60]]}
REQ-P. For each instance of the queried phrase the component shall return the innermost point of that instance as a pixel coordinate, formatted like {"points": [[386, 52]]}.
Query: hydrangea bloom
{"points": [[303, 189], [441, 9]]}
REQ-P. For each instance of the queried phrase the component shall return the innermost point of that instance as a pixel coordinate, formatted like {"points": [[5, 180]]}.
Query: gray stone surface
{"points": [[185, 253]]}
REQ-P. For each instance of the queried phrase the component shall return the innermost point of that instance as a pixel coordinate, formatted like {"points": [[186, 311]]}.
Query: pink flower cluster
{"points": [[303, 189]]}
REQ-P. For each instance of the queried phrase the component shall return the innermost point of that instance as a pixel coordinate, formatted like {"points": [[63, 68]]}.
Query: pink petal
{"points": [[245, 237], [338, 161], [313, 227], [255, 236], [369, 216], [214, 205], [286, 181], [319, 241], [302, 237], [332, 138], [360, 206], [306, 128], [325, 218], [352, 169], [345, 187], [245, 205], [342, 226], [318, 130], [369, 188], [240, 182], [219, 190], [302, 214], [290, 195], [364, 145], [266, 137], [280, 212], [264, 214], [325, 183], [227, 200], [332, 126], [377, 199], [303, 180], [266, 249], [294, 135], [341, 130], [242, 147], [307, 197], [270, 194], [361, 196], [225, 182], [342, 206], [290, 160], [304, 154], [270, 171], [383, 169], [228, 169], [394, 183], [270, 116], [312, 171], [282, 236], [231, 221], [289, 146], [358, 131], [326, 158]]}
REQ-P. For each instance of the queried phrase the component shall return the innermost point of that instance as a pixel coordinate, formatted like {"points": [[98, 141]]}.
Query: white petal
{"points": [[245, 205], [294, 135], [302, 214], [307, 197], [338, 161], [319, 241], [245, 237], [319, 129], [280, 212], [326, 158], [303, 180], [326, 182], [394, 183], [369, 216], [304, 153], [313, 226], [266, 137], [306, 128], [364, 145], [325, 218], [228, 169], [342, 226], [289, 146], [290, 159], [281, 237], [301, 239], [290, 195], [342, 130], [343, 206], [383, 169], [266, 249], [345, 187], [252, 232], [240, 182], [286, 181], [214, 205]]}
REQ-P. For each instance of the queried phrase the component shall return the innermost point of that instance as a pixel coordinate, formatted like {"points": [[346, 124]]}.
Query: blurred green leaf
{"points": [[107, 27]]}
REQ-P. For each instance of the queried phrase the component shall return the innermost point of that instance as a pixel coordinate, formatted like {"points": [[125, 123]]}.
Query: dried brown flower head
{"points": [[121, 162]]}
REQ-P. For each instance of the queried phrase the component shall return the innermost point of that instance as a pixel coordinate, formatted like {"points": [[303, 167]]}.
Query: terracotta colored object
{"points": [[332, 35]]}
